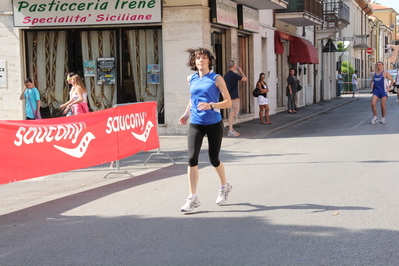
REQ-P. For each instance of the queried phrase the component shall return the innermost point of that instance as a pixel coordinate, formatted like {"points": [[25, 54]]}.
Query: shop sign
{"points": [[248, 19], [3, 74], [224, 12], [52, 13], [285, 36]]}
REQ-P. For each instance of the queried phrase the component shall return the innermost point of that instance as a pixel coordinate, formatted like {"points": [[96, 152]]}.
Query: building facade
{"points": [[131, 51], [134, 51], [385, 31]]}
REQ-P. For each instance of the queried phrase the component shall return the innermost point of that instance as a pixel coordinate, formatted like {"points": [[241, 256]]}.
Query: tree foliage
{"points": [[340, 47], [347, 68]]}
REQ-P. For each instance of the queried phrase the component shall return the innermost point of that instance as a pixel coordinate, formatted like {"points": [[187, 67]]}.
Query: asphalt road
{"points": [[320, 192]]}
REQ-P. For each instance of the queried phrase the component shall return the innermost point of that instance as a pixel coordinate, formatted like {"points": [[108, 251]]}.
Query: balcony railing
{"points": [[360, 42], [336, 15], [388, 51], [312, 7]]}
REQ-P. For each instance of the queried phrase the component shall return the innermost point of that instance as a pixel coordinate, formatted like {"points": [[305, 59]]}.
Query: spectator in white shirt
{"points": [[339, 84], [355, 81]]}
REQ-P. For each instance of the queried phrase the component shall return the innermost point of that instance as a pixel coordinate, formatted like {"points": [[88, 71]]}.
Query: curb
{"points": [[300, 120], [284, 126]]}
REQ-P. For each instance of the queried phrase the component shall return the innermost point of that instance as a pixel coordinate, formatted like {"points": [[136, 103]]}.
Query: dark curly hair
{"points": [[199, 51]]}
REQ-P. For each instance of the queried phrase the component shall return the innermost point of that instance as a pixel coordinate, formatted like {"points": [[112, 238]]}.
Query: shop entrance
{"points": [[282, 74], [134, 58], [219, 67], [142, 62], [244, 91], [218, 45]]}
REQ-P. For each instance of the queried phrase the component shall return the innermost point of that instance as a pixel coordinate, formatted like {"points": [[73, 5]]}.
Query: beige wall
{"points": [[388, 19], [184, 27], [5, 6], [265, 59], [183, 3], [10, 105]]}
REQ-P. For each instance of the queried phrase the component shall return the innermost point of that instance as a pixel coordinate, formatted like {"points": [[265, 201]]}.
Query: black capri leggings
{"points": [[196, 134]]}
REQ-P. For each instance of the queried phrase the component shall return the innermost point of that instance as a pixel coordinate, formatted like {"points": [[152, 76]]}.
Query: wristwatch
{"points": [[212, 106]]}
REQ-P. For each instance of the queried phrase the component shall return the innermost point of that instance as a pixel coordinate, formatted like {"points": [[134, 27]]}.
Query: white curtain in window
{"points": [[47, 55], [145, 48], [97, 44]]}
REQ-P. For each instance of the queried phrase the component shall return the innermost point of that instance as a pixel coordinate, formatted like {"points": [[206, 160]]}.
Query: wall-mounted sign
{"points": [[106, 73], [248, 19], [224, 12], [3, 74], [34, 13], [153, 74]]}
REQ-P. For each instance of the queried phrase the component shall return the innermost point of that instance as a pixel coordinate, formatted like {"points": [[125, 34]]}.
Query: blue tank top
{"points": [[379, 81], [204, 90]]}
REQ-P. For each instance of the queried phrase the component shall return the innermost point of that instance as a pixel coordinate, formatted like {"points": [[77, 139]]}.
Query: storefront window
{"points": [[143, 68], [51, 55]]}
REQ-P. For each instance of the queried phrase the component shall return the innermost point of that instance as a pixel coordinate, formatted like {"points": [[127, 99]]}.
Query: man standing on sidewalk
{"points": [[232, 78], [379, 84]]}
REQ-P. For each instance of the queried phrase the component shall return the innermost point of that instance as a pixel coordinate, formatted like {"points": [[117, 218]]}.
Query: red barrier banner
{"points": [[33, 148]]}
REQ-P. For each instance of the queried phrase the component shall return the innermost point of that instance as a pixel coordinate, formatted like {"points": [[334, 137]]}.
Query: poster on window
{"points": [[153, 74], [89, 68], [106, 70]]}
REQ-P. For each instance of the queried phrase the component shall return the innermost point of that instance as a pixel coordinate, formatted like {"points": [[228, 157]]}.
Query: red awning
{"points": [[278, 36], [303, 52], [278, 46]]}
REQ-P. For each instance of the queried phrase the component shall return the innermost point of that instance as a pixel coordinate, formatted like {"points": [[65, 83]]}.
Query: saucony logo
{"points": [[72, 132], [81, 149], [143, 137]]}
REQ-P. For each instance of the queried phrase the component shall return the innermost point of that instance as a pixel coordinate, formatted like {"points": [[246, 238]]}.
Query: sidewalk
{"points": [[31, 192], [253, 128]]}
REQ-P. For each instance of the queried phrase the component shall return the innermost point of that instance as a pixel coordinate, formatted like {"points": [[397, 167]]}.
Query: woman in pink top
{"points": [[78, 101], [69, 80]]}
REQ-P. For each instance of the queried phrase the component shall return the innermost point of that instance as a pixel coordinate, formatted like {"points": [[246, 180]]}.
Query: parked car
{"points": [[393, 73]]}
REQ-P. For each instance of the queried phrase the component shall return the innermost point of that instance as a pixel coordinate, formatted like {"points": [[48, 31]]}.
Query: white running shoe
{"points": [[223, 194], [374, 120], [191, 203], [383, 121], [233, 133], [397, 100]]}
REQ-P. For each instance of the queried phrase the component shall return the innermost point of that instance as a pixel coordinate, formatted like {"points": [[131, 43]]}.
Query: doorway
{"points": [[244, 91], [142, 78]]}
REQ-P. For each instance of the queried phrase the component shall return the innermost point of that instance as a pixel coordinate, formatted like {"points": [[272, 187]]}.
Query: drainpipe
{"points": [[322, 73], [315, 76]]}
